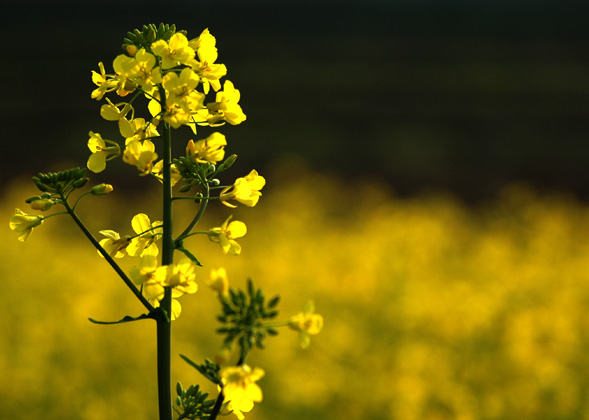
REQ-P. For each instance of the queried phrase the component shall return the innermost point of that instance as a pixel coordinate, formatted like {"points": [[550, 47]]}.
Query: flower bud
{"points": [[101, 189], [42, 204]]}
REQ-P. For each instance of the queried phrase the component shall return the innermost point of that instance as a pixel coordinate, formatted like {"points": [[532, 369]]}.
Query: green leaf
{"points": [[122, 321]]}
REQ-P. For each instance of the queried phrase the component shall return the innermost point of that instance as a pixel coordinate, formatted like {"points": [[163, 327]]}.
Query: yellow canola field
{"points": [[433, 310]]}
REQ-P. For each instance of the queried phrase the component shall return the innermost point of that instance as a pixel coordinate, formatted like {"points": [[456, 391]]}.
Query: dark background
{"points": [[457, 95]]}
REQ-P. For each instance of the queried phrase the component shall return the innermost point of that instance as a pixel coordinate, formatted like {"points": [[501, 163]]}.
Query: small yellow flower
{"points": [[226, 234], [207, 150], [219, 282], [240, 388], [148, 232], [158, 168], [24, 223], [307, 323], [113, 244], [174, 52], [150, 277], [140, 154], [206, 51], [114, 112], [246, 190], [181, 277], [105, 82], [226, 106], [101, 153]]}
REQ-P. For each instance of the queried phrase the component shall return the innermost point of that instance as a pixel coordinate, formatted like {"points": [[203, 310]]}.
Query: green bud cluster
{"points": [[192, 403], [197, 173], [244, 316], [61, 183], [147, 35]]}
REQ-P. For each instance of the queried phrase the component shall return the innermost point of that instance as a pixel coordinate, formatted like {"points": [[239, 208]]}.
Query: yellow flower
{"points": [[240, 388], [158, 168], [101, 152], [206, 51], [226, 234], [181, 277], [137, 129], [24, 223], [113, 244], [307, 323], [219, 282], [150, 277], [111, 112], [148, 232], [174, 52], [139, 69], [141, 155], [226, 106], [105, 82], [207, 150], [246, 190]]}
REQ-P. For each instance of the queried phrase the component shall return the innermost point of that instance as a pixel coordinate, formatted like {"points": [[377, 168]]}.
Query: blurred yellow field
{"points": [[432, 310]]}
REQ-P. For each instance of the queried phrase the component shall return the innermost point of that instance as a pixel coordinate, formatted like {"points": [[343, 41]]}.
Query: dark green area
{"points": [[457, 95]]}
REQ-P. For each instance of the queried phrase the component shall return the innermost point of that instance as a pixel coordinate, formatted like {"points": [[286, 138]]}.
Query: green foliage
{"points": [[244, 315]]}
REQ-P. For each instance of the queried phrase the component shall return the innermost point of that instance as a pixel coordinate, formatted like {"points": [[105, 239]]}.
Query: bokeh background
{"points": [[427, 187]]}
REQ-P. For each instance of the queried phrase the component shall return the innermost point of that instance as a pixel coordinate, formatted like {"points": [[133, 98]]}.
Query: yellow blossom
{"points": [[158, 168], [148, 233], [101, 152], [246, 190], [240, 388], [113, 244], [226, 234], [181, 277], [225, 107], [111, 112], [24, 223], [141, 155], [106, 83], [151, 277], [307, 323], [174, 52], [137, 129], [218, 281], [206, 51], [207, 150]]}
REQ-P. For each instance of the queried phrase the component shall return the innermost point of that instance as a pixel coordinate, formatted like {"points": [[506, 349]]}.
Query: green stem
{"points": [[164, 326], [107, 257], [201, 210]]}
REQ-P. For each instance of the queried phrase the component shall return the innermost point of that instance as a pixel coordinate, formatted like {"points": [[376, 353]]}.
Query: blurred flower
{"points": [[101, 189], [150, 277], [226, 234], [24, 223], [307, 323], [246, 190], [158, 168], [181, 278], [218, 281], [240, 389]]}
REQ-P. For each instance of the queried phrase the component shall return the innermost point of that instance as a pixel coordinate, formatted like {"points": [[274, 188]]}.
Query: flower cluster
{"points": [[175, 74]]}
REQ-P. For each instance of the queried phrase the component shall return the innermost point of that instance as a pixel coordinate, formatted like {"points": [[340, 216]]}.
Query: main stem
{"points": [[164, 326]]}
